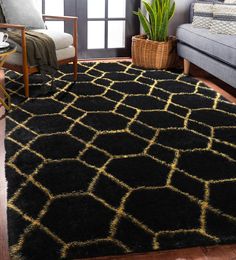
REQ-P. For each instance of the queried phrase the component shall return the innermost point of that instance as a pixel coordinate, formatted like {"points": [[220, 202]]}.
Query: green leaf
{"points": [[159, 12], [145, 23], [152, 17], [172, 10]]}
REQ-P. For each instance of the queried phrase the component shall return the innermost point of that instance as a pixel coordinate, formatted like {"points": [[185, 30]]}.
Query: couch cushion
{"points": [[219, 46], [201, 1], [62, 40], [224, 21], [203, 15]]}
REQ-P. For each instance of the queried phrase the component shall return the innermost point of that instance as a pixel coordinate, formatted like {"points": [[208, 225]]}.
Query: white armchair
{"points": [[66, 48]]}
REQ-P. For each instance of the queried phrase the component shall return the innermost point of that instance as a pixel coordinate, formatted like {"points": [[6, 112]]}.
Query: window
{"points": [[53, 7], [105, 26]]}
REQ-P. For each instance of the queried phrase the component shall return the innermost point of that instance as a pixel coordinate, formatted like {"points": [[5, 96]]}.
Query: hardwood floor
{"points": [[225, 90], [226, 252], [3, 188]]}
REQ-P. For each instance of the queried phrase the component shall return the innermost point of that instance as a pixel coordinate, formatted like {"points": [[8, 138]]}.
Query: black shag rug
{"points": [[125, 160]]}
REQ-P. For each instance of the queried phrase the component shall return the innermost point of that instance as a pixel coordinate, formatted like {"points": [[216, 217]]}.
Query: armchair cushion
{"points": [[62, 40], [22, 12], [61, 54]]}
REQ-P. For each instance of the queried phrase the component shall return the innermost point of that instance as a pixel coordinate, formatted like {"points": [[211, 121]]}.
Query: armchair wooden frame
{"points": [[27, 70]]}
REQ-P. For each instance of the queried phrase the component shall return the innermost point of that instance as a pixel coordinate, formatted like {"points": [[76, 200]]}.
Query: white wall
{"points": [[181, 14]]}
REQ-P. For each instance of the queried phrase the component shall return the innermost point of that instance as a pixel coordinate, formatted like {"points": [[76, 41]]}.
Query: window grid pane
{"points": [[116, 34], [55, 25], [96, 8], [106, 24], [55, 7], [116, 8], [96, 35]]}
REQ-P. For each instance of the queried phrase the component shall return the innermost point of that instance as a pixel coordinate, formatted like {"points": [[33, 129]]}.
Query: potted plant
{"points": [[155, 49]]}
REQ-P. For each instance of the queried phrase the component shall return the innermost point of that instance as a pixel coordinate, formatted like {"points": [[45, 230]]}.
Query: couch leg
{"points": [[186, 67], [75, 63], [26, 83]]}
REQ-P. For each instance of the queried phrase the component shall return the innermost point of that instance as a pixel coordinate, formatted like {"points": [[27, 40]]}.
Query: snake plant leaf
{"points": [[154, 6], [172, 10], [158, 20], [144, 22], [160, 12], [151, 17]]}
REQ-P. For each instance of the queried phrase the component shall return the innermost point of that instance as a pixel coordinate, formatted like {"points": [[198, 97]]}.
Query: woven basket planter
{"points": [[152, 54]]}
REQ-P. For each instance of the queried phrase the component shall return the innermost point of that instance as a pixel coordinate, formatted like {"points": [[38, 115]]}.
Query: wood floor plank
{"points": [[3, 187], [233, 249], [222, 252], [221, 87], [3, 195], [187, 254]]}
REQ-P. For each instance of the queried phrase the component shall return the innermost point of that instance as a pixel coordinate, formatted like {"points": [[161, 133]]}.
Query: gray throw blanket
{"points": [[41, 51]]}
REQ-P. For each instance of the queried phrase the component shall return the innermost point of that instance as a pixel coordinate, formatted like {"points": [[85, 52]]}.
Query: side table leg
{"points": [[8, 104]]}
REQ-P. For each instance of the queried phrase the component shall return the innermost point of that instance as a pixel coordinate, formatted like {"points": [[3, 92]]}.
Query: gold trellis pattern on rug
{"points": [[118, 100]]}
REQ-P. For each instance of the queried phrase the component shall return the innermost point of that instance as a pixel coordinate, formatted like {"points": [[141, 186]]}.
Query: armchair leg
{"points": [[25, 63], [75, 64], [186, 67], [26, 83]]}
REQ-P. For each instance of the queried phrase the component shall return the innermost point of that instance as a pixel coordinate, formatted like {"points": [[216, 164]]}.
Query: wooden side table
{"points": [[4, 54]]}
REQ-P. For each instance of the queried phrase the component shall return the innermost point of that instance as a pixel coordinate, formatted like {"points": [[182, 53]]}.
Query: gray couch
{"points": [[215, 53]]}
